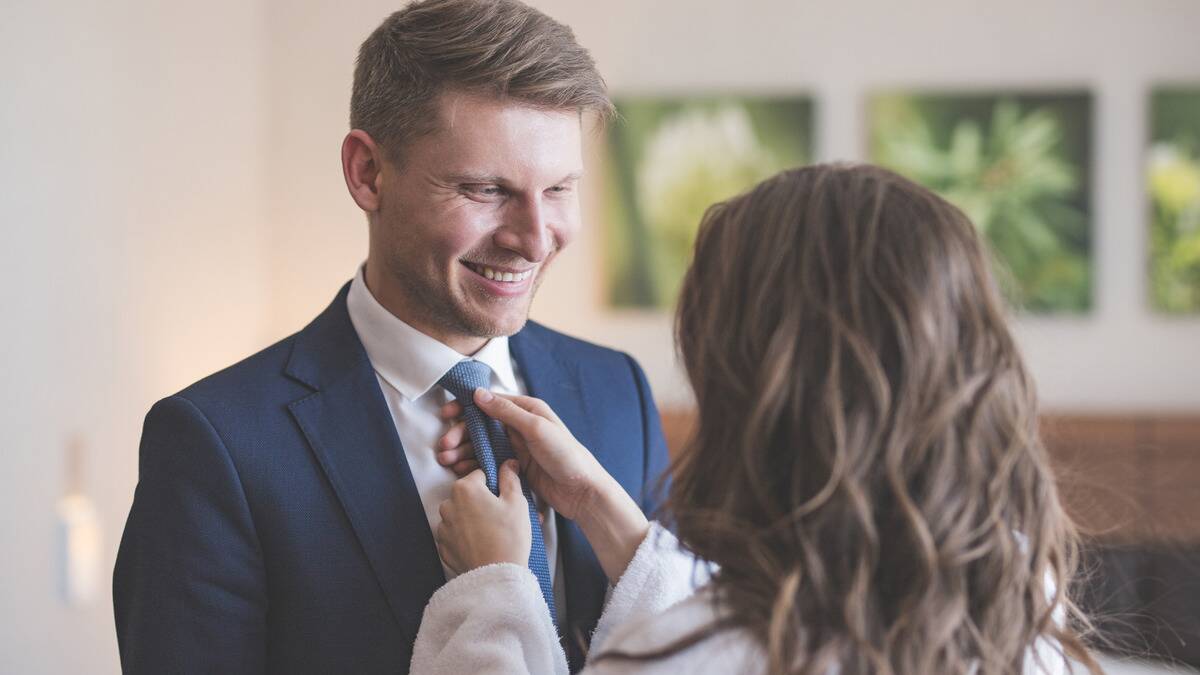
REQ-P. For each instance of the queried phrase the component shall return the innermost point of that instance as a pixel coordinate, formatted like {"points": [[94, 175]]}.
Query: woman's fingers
{"points": [[443, 553], [510, 482], [455, 451], [455, 436], [464, 467], [454, 444], [471, 482], [456, 455], [510, 414], [451, 411], [460, 460], [534, 405]]}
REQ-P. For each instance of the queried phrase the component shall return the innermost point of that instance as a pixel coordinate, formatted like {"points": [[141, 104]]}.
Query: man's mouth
{"points": [[500, 275]]}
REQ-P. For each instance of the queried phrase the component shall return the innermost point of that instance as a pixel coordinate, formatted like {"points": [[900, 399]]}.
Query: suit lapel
{"points": [[350, 429], [553, 381], [559, 384]]}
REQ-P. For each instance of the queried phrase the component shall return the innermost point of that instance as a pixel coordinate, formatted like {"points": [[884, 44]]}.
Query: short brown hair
{"points": [[496, 47]]}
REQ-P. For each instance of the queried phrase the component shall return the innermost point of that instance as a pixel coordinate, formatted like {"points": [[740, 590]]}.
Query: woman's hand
{"points": [[479, 528], [557, 467], [568, 477], [454, 449], [560, 470]]}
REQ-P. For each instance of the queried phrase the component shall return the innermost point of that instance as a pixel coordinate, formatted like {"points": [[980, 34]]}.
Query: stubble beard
{"points": [[456, 314]]}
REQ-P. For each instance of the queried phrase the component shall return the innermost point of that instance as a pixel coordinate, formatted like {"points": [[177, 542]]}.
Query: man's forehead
{"points": [[477, 135], [459, 111]]}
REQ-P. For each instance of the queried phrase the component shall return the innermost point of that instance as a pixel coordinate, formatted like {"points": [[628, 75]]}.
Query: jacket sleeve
{"points": [[654, 445], [189, 588]]}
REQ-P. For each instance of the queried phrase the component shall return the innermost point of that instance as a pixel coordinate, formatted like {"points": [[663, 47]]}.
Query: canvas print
{"points": [[1018, 165], [669, 160], [1173, 181]]}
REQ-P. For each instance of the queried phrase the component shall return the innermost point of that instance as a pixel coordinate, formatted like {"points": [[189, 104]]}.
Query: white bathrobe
{"points": [[493, 621]]}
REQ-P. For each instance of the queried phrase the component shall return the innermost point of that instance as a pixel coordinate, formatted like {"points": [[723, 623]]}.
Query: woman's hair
{"points": [[866, 468]]}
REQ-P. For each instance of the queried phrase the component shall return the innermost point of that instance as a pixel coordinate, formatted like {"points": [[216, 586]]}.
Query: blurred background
{"points": [[172, 201]]}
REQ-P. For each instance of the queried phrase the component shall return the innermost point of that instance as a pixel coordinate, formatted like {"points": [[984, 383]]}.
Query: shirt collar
{"points": [[409, 360]]}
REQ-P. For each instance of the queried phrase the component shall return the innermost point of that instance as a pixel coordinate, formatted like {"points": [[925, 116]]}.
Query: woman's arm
{"points": [[615, 526], [658, 575]]}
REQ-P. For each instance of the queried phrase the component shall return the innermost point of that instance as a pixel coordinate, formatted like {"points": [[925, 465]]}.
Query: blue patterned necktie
{"points": [[492, 449]]}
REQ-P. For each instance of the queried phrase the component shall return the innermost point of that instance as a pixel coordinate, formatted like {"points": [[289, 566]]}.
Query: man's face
{"points": [[472, 217]]}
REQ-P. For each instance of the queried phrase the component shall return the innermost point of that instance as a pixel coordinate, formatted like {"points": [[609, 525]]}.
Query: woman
{"points": [[865, 475]]}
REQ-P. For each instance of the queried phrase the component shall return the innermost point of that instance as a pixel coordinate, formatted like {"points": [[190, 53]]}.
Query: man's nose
{"points": [[528, 230]]}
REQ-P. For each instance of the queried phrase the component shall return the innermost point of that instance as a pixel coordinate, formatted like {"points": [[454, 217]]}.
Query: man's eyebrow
{"points": [[468, 177], [474, 178]]}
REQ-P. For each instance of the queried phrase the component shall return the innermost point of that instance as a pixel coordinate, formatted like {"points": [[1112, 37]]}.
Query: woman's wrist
{"points": [[614, 525]]}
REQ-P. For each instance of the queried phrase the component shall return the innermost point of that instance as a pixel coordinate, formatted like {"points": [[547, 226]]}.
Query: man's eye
{"points": [[484, 190]]}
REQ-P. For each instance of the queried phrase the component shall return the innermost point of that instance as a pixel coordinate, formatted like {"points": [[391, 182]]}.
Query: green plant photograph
{"points": [[1173, 181], [1018, 165], [669, 159]]}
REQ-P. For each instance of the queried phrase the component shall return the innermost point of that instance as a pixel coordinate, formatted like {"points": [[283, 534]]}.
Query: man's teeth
{"points": [[496, 275]]}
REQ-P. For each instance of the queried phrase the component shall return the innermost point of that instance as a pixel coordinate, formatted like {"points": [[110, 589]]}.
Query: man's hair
{"points": [[500, 48]]}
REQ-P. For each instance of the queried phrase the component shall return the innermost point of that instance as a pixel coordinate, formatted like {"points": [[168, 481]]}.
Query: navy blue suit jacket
{"points": [[276, 527]]}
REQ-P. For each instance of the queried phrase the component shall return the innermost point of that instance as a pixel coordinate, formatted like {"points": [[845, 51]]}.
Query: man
{"points": [[284, 513]]}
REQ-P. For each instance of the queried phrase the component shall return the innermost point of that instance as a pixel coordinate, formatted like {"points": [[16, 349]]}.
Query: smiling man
{"points": [[284, 516], [465, 223]]}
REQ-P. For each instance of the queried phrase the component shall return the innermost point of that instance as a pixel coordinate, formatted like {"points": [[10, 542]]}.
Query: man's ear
{"points": [[362, 164]]}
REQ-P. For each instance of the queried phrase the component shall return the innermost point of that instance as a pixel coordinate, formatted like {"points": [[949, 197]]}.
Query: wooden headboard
{"points": [[1124, 478]]}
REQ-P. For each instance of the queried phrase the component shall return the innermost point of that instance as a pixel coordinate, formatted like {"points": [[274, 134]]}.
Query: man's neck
{"points": [[467, 345]]}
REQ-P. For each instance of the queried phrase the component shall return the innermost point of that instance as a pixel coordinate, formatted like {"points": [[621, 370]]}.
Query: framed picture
{"points": [[1018, 164], [672, 158], [1173, 184]]}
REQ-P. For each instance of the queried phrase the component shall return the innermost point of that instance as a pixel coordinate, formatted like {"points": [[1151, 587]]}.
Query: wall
{"points": [[1121, 357], [173, 201], [131, 155]]}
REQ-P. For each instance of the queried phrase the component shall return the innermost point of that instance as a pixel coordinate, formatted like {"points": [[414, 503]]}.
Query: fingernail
{"points": [[483, 395]]}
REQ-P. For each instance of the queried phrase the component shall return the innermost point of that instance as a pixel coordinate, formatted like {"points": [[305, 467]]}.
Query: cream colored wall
{"points": [[132, 262], [173, 201], [1121, 357]]}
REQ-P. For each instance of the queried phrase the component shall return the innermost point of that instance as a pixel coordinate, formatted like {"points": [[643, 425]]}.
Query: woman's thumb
{"points": [[500, 408], [490, 403]]}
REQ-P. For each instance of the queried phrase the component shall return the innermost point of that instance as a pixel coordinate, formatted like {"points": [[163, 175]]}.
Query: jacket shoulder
{"points": [[251, 384], [574, 348]]}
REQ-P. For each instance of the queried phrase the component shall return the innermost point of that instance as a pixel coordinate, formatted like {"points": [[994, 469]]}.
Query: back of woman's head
{"points": [[866, 468]]}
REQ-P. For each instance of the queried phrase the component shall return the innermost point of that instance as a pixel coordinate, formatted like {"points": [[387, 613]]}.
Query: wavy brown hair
{"points": [[866, 468]]}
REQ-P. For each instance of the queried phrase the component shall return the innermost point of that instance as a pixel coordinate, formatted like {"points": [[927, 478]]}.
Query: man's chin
{"points": [[512, 329], [485, 326], [507, 328]]}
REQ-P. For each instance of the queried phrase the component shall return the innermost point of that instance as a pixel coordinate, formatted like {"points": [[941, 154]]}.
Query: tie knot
{"points": [[465, 377]]}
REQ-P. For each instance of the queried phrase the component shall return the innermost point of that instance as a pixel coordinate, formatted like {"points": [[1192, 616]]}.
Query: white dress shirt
{"points": [[408, 364]]}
